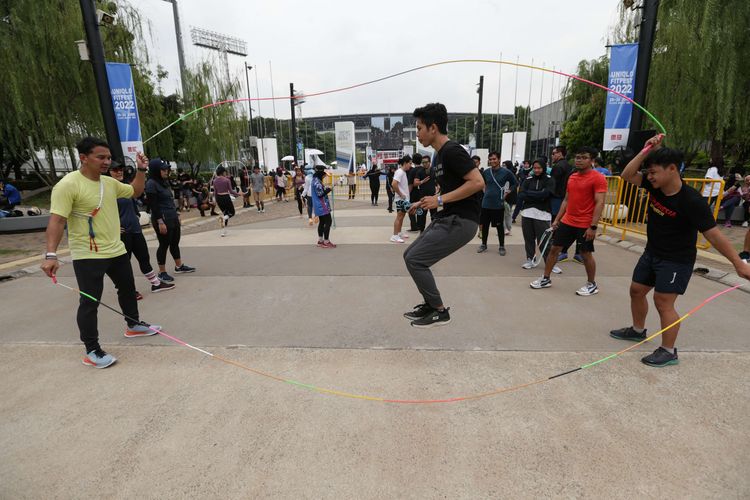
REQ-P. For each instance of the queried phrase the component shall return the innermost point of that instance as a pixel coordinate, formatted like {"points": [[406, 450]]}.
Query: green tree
{"points": [[698, 85], [584, 106]]}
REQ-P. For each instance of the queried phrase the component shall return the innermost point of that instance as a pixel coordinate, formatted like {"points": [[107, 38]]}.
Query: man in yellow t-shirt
{"points": [[86, 200]]}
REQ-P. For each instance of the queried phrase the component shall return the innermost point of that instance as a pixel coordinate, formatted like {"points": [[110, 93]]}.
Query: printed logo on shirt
{"points": [[661, 209]]}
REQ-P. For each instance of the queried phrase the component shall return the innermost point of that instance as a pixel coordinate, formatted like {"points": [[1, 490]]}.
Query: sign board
{"points": [[513, 147], [126, 108], [345, 157], [622, 61]]}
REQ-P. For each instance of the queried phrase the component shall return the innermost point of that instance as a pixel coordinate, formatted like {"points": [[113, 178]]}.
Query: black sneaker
{"points": [[628, 333], [501, 251], [435, 318], [419, 312], [745, 256], [161, 287], [660, 358], [184, 269], [165, 277]]}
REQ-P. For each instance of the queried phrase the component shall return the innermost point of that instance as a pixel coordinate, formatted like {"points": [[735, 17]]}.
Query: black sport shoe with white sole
{"points": [[435, 318], [419, 311]]}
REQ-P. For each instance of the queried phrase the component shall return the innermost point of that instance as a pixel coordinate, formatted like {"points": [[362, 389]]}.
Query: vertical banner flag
{"points": [[345, 146], [622, 61], [126, 109]]}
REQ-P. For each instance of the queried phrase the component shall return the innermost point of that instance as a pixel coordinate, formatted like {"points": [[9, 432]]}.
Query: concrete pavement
{"points": [[168, 422]]}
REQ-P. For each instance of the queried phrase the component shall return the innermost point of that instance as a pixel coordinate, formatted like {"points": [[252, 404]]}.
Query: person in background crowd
{"points": [[9, 196], [185, 184], [322, 207], [131, 235], [164, 218]]}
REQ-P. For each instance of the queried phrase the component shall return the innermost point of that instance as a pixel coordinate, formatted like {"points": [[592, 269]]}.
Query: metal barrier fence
{"points": [[626, 205]]}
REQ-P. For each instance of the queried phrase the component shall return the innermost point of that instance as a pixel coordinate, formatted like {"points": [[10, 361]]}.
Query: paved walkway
{"points": [[170, 422]]}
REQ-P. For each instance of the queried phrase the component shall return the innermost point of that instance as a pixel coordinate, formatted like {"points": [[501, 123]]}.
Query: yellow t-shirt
{"points": [[74, 198]]}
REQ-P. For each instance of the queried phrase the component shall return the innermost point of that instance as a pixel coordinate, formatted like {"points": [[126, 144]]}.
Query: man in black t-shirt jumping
{"points": [[454, 225], [676, 212]]}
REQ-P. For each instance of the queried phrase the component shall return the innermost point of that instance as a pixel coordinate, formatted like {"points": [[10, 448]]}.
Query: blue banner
{"points": [[126, 108], [622, 62]]}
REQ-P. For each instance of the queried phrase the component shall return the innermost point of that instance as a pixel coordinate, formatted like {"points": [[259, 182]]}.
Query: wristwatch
{"points": [[142, 169], [594, 227], [440, 201]]}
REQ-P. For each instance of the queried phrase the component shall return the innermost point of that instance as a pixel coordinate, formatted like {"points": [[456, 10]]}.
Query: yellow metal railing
{"points": [[626, 205]]}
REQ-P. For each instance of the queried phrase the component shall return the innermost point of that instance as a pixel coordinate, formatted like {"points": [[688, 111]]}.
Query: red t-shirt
{"points": [[581, 203]]}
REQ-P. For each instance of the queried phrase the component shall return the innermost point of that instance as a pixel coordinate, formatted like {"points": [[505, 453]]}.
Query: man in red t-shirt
{"points": [[577, 219]]}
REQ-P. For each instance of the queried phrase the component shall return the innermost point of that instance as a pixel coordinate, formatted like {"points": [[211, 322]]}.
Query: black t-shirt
{"points": [[560, 173], [451, 164], [428, 188], [674, 222], [416, 172]]}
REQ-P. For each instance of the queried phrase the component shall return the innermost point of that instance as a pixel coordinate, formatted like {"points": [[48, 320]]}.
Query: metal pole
{"points": [[249, 103], [515, 115], [293, 124], [96, 49], [645, 49], [180, 50], [478, 130], [250, 112]]}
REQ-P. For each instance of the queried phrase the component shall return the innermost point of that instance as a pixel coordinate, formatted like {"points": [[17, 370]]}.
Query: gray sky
{"points": [[325, 44]]}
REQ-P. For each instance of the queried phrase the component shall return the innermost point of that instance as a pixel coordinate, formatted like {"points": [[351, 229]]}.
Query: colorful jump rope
{"points": [[333, 392]]}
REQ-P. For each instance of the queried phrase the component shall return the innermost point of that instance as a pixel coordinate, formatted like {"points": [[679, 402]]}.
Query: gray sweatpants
{"points": [[442, 237]]}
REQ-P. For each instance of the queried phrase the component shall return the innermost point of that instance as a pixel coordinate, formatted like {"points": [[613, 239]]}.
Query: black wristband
{"points": [[594, 227]]}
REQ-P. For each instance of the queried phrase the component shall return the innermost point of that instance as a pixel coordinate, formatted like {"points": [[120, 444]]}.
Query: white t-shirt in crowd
{"points": [[712, 189], [403, 184]]}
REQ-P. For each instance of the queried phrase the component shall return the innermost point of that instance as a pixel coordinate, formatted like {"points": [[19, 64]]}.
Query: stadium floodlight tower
{"points": [[222, 43]]}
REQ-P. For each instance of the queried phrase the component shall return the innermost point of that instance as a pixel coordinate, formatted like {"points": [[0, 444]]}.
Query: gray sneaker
{"points": [[142, 331], [98, 359], [502, 251], [482, 248]]}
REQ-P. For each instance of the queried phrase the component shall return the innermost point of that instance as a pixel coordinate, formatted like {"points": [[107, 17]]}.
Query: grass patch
{"points": [[41, 200], [10, 251]]}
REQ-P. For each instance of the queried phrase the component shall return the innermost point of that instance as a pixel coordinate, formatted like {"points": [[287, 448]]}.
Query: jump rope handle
{"points": [[648, 146]]}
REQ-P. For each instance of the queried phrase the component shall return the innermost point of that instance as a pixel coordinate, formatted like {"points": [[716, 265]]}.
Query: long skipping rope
{"points": [[401, 73], [323, 390], [334, 392]]}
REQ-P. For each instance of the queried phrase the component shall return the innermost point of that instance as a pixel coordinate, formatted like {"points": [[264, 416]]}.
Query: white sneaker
{"points": [[528, 264], [588, 289], [403, 236], [556, 270], [396, 239], [507, 232], [223, 232], [744, 224]]}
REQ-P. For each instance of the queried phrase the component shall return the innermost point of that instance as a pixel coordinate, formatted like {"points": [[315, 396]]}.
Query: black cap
{"points": [[158, 163]]}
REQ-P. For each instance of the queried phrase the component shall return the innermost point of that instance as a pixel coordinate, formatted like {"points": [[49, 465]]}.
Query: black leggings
{"points": [[485, 222], [374, 191], [170, 240], [324, 226], [135, 244], [352, 191], [225, 205], [90, 277], [309, 206], [298, 197]]}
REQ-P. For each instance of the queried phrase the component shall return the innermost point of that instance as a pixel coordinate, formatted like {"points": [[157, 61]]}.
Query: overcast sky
{"points": [[326, 44]]}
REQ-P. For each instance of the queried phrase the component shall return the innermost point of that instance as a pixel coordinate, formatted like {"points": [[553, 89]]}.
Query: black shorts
{"points": [[666, 276], [565, 235], [492, 216]]}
